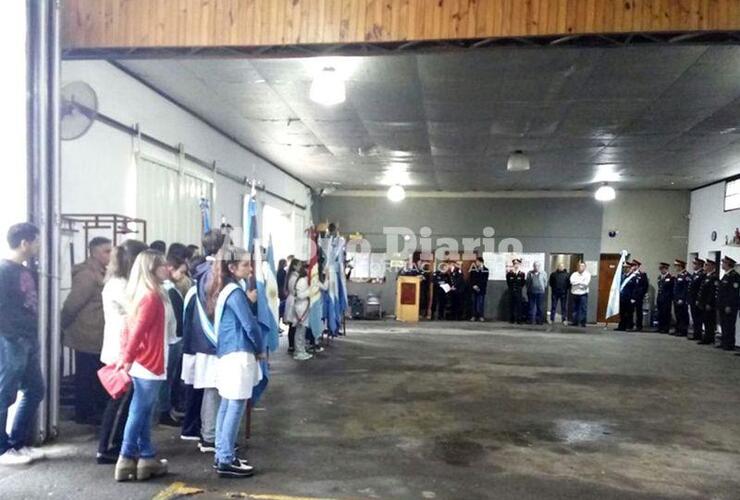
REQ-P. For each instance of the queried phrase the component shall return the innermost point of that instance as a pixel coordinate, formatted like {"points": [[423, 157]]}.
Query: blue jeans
{"points": [[137, 436], [479, 305], [536, 307], [580, 309], [227, 428], [561, 297], [20, 370]]}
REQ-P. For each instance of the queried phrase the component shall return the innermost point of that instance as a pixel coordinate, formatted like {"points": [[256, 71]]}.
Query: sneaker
{"points": [[14, 457], [206, 447], [242, 461], [188, 437], [482, 319], [302, 356], [235, 469], [33, 453], [472, 319]]}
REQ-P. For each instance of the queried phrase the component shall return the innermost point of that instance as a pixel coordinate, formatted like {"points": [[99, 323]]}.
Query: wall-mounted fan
{"points": [[79, 108]]}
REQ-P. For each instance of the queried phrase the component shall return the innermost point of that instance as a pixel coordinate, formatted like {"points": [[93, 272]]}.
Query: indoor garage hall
{"points": [[450, 410]]}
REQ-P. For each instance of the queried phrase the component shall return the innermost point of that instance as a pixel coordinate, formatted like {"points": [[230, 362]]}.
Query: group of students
{"points": [[195, 346], [701, 299]]}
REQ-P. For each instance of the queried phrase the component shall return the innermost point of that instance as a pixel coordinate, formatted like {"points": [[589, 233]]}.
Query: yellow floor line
{"points": [[176, 490]]}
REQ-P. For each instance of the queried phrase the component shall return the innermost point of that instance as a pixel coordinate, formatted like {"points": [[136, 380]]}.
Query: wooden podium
{"points": [[407, 298]]}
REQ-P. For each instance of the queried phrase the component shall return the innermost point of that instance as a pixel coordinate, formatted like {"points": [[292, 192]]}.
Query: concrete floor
{"points": [[462, 411]]}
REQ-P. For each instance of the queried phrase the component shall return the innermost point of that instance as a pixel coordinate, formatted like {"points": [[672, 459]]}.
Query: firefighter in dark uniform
{"points": [[515, 282], [457, 282], [641, 288], [708, 302], [728, 302], [665, 297], [439, 298], [627, 298], [681, 298], [696, 313]]}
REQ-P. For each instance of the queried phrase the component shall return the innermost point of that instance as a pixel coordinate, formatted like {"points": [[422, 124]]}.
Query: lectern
{"points": [[407, 298]]}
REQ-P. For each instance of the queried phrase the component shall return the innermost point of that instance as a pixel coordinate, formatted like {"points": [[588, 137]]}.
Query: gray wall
{"points": [[652, 225], [550, 225]]}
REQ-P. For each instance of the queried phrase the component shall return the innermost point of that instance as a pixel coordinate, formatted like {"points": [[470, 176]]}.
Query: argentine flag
{"points": [[264, 315], [612, 307], [271, 295]]}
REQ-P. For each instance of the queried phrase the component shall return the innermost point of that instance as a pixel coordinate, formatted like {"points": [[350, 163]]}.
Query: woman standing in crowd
{"points": [[240, 347], [290, 281], [115, 311], [199, 348], [301, 291], [150, 326]]}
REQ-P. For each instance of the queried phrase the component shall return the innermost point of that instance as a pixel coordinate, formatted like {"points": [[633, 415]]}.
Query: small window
{"points": [[732, 195]]}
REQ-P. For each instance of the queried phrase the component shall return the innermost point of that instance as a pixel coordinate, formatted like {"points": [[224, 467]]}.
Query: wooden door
{"points": [[607, 268]]}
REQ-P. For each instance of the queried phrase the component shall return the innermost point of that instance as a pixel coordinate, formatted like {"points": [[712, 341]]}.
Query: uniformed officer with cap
{"points": [[665, 297], [627, 299], [681, 297], [515, 281], [642, 284], [708, 302], [728, 302], [696, 313]]}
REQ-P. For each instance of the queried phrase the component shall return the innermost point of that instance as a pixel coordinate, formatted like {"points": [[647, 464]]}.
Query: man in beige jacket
{"points": [[82, 327]]}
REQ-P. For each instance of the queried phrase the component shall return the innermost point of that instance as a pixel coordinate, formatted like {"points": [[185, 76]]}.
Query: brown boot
{"points": [[150, 467], [125, 469]]}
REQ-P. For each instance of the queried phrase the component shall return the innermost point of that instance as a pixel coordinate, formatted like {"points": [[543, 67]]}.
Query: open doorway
{"points": [[608, 263], [569, 261]]}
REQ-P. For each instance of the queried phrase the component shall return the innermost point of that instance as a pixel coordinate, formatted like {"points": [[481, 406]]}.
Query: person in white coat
{"points": [[301, 293], [115, 311]]}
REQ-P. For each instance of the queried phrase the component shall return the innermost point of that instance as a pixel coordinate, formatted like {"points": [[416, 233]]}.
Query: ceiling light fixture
{"points": [[605, 193], [396, 193], [518, 162], [327, 88]]}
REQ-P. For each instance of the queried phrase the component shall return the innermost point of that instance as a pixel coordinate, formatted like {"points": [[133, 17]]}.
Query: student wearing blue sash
{"points": [[240, 347], [199, 352]]}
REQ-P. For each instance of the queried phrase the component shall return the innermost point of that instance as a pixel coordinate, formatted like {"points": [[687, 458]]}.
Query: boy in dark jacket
{"points": [[559, 286]]}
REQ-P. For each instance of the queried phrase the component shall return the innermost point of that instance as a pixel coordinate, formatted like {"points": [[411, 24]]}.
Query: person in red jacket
{"points": [[150, 327]]}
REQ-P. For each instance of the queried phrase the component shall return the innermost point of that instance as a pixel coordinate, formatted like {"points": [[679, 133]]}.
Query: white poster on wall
{"points": [[498, 263]]}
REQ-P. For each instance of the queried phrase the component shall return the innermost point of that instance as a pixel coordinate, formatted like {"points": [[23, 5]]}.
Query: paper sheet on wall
{"points": [[593, 267], [497, 263]]}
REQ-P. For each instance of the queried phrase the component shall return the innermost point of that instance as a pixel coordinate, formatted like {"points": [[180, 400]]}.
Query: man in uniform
{"points": [[681, 298], [439, 298], [728, 302], [627, 298], [665, 298], [708, 302], [515, 281], [641, 288], [457, 291], [696, 313]]}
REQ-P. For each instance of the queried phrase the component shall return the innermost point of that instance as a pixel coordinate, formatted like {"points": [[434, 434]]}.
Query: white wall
{"points": [[98, 169], [13, 189], [707, 215]]}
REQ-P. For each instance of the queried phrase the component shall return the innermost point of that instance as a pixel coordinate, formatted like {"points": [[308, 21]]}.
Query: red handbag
{"points": [[114, 380]]}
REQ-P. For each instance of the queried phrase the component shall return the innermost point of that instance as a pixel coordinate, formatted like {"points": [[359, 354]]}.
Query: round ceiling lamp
{"points": [[327, 88], [396, 193], [518, 162], [605, 193]]}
